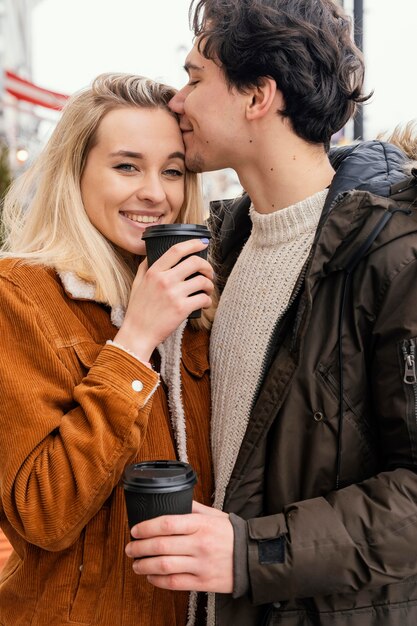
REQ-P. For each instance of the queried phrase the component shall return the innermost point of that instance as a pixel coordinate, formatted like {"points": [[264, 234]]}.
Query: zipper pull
{"points": [[410, 377]]}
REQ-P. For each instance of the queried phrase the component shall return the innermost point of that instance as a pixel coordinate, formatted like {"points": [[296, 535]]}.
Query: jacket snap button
{"points": [[318, 416], [137, 385]]}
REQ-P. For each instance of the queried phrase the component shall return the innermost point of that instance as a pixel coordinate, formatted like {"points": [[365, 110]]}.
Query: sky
{"points": [[74, 40]]}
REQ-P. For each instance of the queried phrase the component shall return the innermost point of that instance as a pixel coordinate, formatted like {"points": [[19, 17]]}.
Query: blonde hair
{"points": [[405, 138], [44, 220]]}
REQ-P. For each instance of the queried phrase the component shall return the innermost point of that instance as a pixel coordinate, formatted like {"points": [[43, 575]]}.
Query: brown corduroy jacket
{"points": [[70, 422]]}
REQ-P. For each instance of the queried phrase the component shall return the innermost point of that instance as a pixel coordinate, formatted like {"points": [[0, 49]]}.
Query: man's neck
{"points": [[278, 178]]}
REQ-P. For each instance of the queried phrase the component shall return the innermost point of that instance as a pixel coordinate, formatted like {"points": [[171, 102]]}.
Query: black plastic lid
{"points": [[159, 476], [163, 230]]}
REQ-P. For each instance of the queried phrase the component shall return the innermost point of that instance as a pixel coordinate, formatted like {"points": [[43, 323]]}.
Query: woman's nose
{"points": [[151, 190]]}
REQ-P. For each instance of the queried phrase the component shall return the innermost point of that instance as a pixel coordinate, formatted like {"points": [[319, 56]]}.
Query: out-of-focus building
{"points": [[17, 124], [20, 113]]}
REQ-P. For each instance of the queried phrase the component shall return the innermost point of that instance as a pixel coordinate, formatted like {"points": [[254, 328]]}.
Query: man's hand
{"points": [[186, 552]]}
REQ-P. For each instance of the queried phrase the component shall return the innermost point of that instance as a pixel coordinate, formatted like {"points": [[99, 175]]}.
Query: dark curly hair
{"points": [[306, 46]]}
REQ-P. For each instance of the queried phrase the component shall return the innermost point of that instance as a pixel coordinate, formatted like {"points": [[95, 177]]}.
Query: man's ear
{"points": [[264, 96]]}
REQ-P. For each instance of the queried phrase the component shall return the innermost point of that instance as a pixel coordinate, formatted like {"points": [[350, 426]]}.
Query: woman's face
{"points": [[134, 175]]}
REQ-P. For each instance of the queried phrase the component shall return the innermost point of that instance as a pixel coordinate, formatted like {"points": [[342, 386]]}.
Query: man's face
{"points": [[211, 115]]}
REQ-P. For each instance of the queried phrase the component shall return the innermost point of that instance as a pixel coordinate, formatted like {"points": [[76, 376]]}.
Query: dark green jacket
{"points": [[328, 486]]}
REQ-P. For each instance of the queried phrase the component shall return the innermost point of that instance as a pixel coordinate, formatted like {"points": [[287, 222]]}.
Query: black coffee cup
{"points": [[158, 239], [156, 488]]}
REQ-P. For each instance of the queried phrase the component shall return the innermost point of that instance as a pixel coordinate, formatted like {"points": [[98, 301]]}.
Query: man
{"points": [[313, 344]]}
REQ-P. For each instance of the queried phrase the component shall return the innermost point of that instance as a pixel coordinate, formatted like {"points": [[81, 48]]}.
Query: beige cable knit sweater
{"points": [[255, 296]]}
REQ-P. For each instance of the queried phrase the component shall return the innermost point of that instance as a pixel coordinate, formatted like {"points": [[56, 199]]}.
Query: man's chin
{"points": [[194, 162]]}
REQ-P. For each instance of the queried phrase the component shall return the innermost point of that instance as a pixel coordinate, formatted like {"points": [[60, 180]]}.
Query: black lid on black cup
{"points": [[189, 230], [159, 476]]}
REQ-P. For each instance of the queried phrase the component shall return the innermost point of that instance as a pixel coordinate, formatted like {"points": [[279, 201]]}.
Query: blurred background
{"points": [[51, 48]]}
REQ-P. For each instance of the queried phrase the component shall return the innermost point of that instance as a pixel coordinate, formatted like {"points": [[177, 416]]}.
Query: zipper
{"points": [[410, 379], [410, 362]]}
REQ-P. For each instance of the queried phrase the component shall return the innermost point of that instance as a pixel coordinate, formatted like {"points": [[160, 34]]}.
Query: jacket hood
{"points": [[370, 187], [372, 166]]}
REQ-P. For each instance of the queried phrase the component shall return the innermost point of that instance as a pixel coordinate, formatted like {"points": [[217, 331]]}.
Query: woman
{"points": [[80, 322]]}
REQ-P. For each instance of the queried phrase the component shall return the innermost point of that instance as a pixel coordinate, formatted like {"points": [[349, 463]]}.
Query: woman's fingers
{"points": [[164, 295], [197, 283], [189, 266], [142, 269], [176, 253]]}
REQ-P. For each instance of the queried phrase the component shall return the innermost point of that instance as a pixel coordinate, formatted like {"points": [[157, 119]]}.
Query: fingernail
{"points": [[205, 240]]}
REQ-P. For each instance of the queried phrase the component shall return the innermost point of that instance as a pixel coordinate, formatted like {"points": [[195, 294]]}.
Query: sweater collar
{"points": [[288, 224]]}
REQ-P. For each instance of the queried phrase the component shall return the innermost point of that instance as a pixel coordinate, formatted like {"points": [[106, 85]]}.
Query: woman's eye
{"points": [[125, 167], [173, 173], [192, 83]]}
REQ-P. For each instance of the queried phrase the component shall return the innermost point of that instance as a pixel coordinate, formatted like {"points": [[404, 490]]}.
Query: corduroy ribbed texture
{"points": [[70, 422]]}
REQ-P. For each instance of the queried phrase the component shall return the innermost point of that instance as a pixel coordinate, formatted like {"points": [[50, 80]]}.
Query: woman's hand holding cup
{"points": [[164, 295]]}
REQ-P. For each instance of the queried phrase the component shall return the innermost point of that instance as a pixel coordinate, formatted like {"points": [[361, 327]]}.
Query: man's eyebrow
{"points": [[191, 66], [138, 155]]}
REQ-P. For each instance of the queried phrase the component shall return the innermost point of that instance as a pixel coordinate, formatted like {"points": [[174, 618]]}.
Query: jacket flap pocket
{"points": [[87, 352], [195, 353]]}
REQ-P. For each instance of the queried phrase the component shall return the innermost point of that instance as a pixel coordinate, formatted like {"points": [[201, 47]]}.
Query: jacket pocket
{"points": [[87, 352], [408, 359], [194, 356], [359, 457], [195, 363], [79, 357], [91, 569], [352, 414]]}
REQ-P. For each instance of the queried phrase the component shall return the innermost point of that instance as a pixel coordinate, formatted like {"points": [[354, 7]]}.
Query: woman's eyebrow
{"points": [[127, 153], [139, 155], [177, 155]]}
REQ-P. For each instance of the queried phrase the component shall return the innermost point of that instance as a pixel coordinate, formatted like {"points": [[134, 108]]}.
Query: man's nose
{"points": [[176, 103]]}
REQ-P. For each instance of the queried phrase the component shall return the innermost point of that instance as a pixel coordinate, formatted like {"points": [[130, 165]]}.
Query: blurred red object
{"points": [[5, 550], [23, 89]]}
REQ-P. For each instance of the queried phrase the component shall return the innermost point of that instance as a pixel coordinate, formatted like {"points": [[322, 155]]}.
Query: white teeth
{"points": [[143, 219]]}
